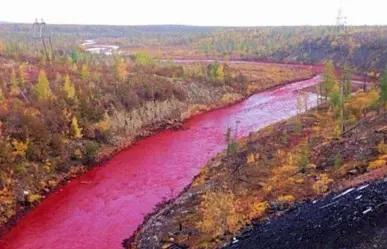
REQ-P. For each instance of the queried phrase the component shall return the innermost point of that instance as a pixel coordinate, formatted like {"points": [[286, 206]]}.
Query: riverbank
{"points": [[297, 160], [211, 98]]}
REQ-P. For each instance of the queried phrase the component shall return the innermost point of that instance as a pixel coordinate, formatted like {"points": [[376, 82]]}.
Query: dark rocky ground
{"points": [[353, 219]]}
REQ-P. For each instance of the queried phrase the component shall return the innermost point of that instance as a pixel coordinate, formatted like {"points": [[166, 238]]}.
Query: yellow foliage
{"points": [[258, 209], [121, 71], [267, 188], [33, 198], [382, 147], [78, 154], [42, 89], [285, 171], [361, 102], [230, 98], [14, 89], [220, 72], [286, 199], [299, 180], [1, 95], [85, 73], [76, 131], [2, 46], [201, 177], [219, 214], [379, 163], [103, 125], [321, 186], [69, 88], [20, 148], [250, 158], [47, 165]]}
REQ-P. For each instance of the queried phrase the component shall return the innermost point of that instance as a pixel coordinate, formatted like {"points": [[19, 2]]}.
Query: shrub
{"points": [[286, 199], [338, 161], [321, 186], [382, 147], [379, 163], [91, 149], [219, 214], [258, 209]]}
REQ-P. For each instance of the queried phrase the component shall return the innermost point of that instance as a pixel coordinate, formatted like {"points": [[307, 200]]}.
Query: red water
{"points": [[100, 214]]}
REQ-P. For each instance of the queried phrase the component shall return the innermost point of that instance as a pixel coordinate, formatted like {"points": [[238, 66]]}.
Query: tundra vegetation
{"points": [[62, 113], [340, 143]]}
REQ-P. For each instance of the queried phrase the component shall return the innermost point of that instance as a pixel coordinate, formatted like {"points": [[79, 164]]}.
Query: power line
{"points": [[42, 38]]}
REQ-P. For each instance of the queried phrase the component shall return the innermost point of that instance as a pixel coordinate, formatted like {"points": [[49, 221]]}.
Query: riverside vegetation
{"points": [[60, 115], [341, 143]]}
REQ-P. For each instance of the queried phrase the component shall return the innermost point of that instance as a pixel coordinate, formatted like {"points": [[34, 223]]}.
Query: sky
{"points": [[195, 12]]}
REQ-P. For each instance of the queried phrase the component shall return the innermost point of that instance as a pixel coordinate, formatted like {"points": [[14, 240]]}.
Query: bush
{"points": [[321, 186], [91, 149], [376, 164]]}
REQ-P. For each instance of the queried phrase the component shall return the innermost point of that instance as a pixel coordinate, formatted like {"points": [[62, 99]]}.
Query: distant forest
{"points": [[362, 47]]}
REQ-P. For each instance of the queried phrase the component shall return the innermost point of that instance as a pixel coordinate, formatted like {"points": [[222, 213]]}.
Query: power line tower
{"points": [[341, 20], [42, 38]]}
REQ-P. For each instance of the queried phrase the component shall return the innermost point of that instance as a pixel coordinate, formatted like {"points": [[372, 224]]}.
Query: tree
{"points": [[383, 90], [22, 73], [76, 131], [85, 73], [220, 73], [42, 89], [1, 95], [143, 58], [347, 82], [121, 72], [228, 139], [14, 89], [329, 80], [2, 47], [69, 88]]}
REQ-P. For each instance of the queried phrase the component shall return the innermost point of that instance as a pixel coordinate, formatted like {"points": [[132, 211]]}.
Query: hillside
{"points": [[59, 118], [265, 174], [362, 47]]}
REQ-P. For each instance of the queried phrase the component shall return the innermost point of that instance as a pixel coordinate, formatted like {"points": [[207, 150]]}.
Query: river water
{"points": [[101, 208]]}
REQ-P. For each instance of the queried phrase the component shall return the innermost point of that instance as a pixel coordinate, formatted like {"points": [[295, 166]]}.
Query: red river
{"points": [[101, 208]]}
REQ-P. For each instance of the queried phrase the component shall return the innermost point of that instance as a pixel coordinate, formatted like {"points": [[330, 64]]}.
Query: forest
{"points": [[63, 112], [66, 111]]}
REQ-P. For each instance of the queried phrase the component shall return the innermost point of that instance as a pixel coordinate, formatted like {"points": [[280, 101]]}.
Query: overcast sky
{"points": [[194, 12]]}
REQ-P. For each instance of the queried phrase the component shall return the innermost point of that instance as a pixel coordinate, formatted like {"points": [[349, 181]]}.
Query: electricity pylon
{"points": [[42, 37], [341, 20]]}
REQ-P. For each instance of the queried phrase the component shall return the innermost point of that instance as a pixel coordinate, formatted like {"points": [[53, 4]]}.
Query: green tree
{"points": [[42, 89], [143, 58], [329, 80]]}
